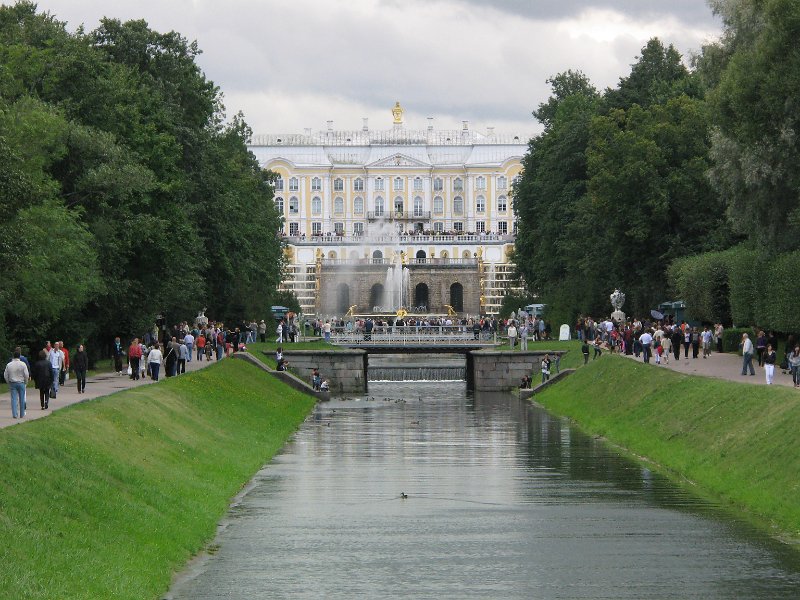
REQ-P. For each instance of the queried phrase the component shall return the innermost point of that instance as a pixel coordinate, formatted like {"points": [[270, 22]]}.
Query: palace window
{"points": [[398, 184], [502, 204], [502, 227], [398, 204], [316, 184], [338, 228], [338, 185], [294, 229], [438, 184], [480, 182], [294, 205], [279, 204], [316, 228], [438, 205], [458, 205], [358, 229], [458, 227], [502, 182], [358, 184], [438, 227], [417, 184], [379, 207], [515, 182], [316, 205], [458, 184], [358, 205], [294, 184], [379, 184], [279, 184], [480, 204], [338, 206], [480, 226], [417, 206]]}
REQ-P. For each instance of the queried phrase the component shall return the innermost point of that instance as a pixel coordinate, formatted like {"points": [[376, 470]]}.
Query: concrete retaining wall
{"points": [[490, 371], [345, 370]]}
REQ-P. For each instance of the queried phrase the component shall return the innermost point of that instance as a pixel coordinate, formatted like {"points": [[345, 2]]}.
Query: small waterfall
{"points": [[410, 373]]}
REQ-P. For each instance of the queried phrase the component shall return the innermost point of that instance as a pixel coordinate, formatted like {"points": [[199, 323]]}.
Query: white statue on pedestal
{"points": [[617, 300]]}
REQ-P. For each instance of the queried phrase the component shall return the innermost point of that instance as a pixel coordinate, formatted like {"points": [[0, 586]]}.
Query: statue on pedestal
{"points": [[617, 300]]}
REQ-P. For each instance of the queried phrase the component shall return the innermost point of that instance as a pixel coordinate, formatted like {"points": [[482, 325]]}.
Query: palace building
{"points": [[375, 221]]}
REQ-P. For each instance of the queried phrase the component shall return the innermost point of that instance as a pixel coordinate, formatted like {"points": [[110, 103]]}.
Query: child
{"points": [[325, 386]]}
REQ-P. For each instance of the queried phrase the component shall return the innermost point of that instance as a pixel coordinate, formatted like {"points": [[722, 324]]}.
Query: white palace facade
{"points": [[428, 199]]}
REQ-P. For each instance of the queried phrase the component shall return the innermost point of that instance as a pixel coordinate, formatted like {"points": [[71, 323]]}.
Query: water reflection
{"points": [[505, 501]]}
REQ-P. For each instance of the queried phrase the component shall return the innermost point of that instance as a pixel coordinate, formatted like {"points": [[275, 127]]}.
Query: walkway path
{"points": [[726, 366], [99, 385]]}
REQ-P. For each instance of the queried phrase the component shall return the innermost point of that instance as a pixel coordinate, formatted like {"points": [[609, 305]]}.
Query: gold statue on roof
{"points": [[397, 113]]}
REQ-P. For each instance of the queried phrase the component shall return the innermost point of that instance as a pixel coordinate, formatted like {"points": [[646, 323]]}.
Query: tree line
{"points": [[680, 182], [124, 191]]}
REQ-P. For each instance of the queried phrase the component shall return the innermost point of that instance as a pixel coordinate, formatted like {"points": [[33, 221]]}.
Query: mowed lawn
{"points": [[108, 498]]}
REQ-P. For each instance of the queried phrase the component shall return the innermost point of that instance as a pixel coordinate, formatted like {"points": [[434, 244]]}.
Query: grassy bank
{"points": [[106, 499], [570, 360], [736, 443]]}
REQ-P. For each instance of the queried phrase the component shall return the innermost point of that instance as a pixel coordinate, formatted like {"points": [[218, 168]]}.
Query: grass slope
{"points": [[106, 499], [737, 442]]}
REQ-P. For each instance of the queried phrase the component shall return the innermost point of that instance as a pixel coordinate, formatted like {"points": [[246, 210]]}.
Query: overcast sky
{"points": [[291, 64]]}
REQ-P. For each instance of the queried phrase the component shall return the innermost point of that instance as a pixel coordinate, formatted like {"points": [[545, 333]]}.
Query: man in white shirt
{"points": [[188, 339], [512, 335], [646, 340], [747, 355], [17, 375], [56, 358]]}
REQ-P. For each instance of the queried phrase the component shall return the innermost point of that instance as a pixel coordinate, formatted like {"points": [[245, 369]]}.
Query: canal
{"points": [[503, 501]]}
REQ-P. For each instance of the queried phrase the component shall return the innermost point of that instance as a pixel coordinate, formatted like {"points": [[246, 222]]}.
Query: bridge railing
{"points": [[414, 336]]}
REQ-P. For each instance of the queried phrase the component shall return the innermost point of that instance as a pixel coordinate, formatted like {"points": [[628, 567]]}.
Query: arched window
{"points": [[458, 205], [294, 184], [379, 208], [376, 296], [294, 205], [338, 205], [316, 205], [338, 185], [421, 297], [279, 205], [457, 297], [358, 205], [358, 184], [377, 256], [438, 205], [480, 204], [398, 204], [398, 184], [502, 204], [480, 182], [342, 298], [502, 182], [316, 184], [417, 206], [421, 254], [458, 184]]}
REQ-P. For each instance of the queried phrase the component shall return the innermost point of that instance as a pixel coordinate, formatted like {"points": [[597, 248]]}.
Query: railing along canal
{"points": [[414, 335]]}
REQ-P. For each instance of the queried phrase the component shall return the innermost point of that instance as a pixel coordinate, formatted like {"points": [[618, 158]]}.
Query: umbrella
{"points": [[656, 315]]}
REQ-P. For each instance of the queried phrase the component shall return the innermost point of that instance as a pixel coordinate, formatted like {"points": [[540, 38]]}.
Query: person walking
{"points": [[326, 330], [761, 346], [696, 338], [65, 370], [706, 337], [546, 368], [201, 346], [512, 336], [666, 346], [719, 331], [154, 360], [677, 338], [279, 333], [81, 365], [770, 357], [523, 336], [56, 358], [747, 355], [188, 339], [43, 379], [183, 355], [117, 352], [687, 341], [17, 375], [646, 341], [794, 365], [262, 331], [134, 356]]}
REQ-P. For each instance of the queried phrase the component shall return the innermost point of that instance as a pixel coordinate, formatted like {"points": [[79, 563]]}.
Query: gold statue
{"points": [[403, 257], [350, 311], [397, 113], [450, 311], [401, 312]]}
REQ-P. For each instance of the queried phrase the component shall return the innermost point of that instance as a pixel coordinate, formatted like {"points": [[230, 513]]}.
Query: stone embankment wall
{"points": [[345, 370], [498, 371]]}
